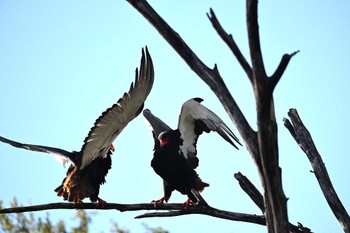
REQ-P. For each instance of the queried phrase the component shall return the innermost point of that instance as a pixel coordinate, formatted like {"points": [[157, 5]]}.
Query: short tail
{"points": [[200, 185]]}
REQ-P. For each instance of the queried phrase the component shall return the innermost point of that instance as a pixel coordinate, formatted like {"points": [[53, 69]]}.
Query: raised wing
{"points": [[195, 119], [109, 125], [61, 155], [156, 125]]}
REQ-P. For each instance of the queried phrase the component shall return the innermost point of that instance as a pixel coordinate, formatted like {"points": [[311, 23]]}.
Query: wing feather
{"points": [[61, 155], [156, 125], [109, 125], [195, 119]]}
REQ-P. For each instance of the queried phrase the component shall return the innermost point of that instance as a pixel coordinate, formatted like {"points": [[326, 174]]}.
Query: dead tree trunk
{"points": [[261, 144]]}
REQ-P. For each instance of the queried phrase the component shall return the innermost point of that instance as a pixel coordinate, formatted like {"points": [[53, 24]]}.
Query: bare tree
{"points": [[261, 144]]}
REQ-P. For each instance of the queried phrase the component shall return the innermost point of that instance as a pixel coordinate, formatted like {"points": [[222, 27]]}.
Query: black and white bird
{"points": [[175, 151], [90, 165]]}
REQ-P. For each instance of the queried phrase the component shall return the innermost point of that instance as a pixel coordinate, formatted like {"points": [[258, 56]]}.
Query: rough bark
{"points": [[303, 137], [173, 210], [258, 199], [164, 210], [262, 145]]}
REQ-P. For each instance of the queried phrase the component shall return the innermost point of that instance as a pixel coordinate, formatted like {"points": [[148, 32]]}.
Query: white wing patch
{"points": [[192, 111], [61, 159], [109, 125]]}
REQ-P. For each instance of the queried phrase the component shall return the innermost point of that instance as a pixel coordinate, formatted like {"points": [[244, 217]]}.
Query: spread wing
{"points": [[195, 119], [62, 155], [109, 125]]}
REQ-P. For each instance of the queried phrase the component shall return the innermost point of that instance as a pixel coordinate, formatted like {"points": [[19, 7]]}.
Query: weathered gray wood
{"points": [[173, 210], [258, 199], [262, 145], [251, 190], [303, 137]]}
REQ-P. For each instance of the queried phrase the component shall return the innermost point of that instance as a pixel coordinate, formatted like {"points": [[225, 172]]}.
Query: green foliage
{"points": [[116, 229], [85, 220], [28, 223], [155, 230]]}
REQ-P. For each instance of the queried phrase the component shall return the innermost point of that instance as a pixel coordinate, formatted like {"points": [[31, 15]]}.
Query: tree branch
{"points": [[273, 80], [210, 76], [173, 210], [262, 145], [107, 206], [258, 199], [254, 40], [231, 44], [251, 190], [207, 210], [303, 137], [270, 172]]}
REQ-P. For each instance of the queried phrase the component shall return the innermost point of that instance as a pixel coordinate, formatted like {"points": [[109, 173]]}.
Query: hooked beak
{"points": [[111, 148]]}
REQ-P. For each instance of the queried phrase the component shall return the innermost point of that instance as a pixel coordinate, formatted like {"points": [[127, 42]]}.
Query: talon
{"points": [[112, 148], [161, 201], [100, 202]]}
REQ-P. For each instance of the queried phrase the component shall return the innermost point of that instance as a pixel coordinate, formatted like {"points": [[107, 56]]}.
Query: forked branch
{"points": [[261, 145], [228, 39], [210, 76]]}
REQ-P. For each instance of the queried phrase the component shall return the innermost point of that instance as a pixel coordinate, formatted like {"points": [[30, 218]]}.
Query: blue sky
{"points": [[62, 63]]}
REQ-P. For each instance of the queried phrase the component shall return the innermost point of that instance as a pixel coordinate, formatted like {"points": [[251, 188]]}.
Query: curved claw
{"points": [[161, 201]]}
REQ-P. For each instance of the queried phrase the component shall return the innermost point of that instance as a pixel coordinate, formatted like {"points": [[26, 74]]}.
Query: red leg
{"points": [[186, 203], [156, 202]]}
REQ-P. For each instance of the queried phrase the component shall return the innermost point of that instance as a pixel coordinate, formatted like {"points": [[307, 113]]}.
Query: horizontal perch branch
{"points": [[173, 210], [107, 206], [207, 210]]}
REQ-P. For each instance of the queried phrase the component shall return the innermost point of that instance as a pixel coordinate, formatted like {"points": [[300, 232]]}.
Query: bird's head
{"points": [[170, 138]]}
